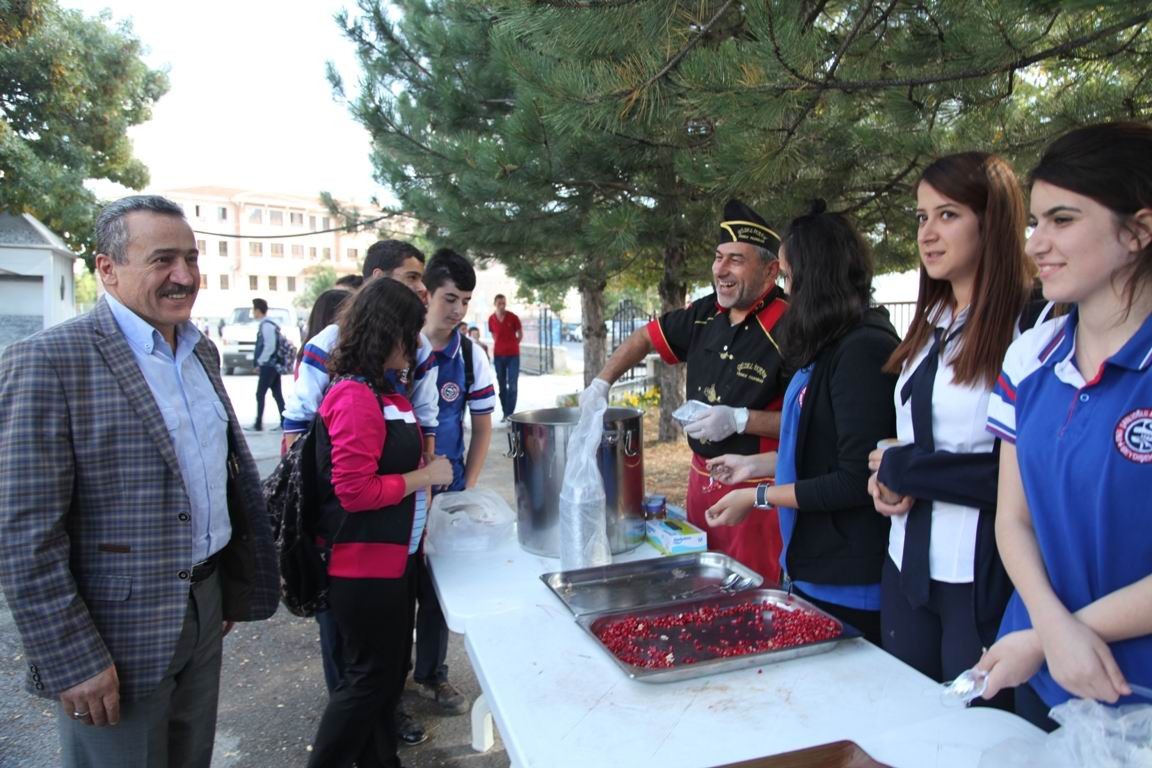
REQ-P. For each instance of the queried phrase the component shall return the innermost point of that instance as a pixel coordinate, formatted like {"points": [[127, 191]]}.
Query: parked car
{"points": [[573, 332], [238, 340]]}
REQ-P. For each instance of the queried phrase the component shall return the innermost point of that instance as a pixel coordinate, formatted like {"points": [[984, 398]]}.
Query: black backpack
{"points": [[291, 498]]}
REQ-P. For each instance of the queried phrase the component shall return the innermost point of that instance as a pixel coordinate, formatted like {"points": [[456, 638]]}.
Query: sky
{"points": [[249, 105]]}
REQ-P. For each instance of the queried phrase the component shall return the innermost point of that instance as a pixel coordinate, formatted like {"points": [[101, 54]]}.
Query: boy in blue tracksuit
{"points": [[464, 378]]}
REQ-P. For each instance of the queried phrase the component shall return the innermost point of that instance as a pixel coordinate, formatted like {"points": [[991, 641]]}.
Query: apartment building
{"points": [[266, 244]]}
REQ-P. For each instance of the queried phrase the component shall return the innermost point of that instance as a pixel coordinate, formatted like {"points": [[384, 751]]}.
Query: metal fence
{"points": [[901, 314], [628, 317]]}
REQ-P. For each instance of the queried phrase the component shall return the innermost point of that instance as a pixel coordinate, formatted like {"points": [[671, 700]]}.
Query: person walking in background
{"points": [[370, 469], [1073, 406], [837, 406], [944, 588], [133, 531], [264, 358], [506, 335], [465, 378]]}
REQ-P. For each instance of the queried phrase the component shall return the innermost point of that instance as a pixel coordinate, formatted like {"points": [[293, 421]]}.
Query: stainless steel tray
{"points": [[680, 649], [644, 582]]}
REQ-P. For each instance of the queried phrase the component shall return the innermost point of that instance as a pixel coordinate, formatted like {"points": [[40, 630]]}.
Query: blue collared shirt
{"points": [[196, 419]]}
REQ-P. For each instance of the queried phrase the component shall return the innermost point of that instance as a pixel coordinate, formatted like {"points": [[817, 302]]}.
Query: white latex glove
{"points": [[597, 392], [718, 423]]}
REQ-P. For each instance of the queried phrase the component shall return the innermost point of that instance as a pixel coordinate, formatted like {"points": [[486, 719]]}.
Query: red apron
{"points": [[755, 542]]}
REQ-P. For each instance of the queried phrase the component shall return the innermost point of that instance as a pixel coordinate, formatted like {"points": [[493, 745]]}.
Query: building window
{"points": [[312, 222], [290, 284], [255, 248], [203, 281], [272, 282], [253, 282], [312, 253], [255, 215], [297, 251], [296, 219], [196, 210], [201, 246], [325, 222], [223, 282], [276, 218], [278, 250], [327, 254], [222, 213], [223, 247], [353, 254]]}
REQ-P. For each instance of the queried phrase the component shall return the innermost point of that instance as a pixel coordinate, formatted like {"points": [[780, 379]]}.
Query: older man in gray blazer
{"points": [[132, 527]]}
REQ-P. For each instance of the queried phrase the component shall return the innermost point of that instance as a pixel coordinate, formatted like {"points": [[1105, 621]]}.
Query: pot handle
{"points": [[631, 450], [514, 448]]}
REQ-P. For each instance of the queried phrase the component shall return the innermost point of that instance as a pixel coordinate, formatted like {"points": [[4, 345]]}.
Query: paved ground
{"points": [[272, 686]]}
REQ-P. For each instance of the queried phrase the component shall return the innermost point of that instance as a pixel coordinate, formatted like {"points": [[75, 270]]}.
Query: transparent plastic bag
{"points": [[583, 529], [690, 411], [1091, 734], [476, 520]]}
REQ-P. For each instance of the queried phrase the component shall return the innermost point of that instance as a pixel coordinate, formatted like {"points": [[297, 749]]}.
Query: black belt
{"points": [[204, 568]]}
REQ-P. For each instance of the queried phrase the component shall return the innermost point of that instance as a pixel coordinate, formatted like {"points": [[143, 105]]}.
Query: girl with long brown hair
{"points": [[943, 588]]}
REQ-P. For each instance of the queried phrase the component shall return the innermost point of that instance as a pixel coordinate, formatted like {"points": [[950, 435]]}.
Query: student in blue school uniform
{"points": [[465, 379], [944, 589], [1073, 407]]}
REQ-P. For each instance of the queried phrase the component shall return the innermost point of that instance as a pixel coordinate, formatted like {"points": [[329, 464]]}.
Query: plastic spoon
{"points": [[966, 688]]}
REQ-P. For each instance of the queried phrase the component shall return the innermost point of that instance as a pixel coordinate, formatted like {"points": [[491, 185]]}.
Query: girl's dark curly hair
{"points": [[384, 315]]}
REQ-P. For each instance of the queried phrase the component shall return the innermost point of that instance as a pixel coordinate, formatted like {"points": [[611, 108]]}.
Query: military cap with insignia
{"points": [[741, 224]]}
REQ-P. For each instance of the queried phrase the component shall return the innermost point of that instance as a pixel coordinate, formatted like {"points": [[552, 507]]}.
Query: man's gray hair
{"points": [[112, 232], [764, 254]]}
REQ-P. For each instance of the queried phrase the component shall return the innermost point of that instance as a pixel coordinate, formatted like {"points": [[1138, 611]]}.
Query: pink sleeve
{"points": [[357, 431]]}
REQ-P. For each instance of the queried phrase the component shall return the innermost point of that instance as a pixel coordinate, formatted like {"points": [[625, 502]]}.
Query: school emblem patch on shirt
{"points": [[1134, 436], [450, 391]]}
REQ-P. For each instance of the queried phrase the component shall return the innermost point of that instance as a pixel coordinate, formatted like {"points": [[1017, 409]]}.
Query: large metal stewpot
{"points": [[538, 447]]}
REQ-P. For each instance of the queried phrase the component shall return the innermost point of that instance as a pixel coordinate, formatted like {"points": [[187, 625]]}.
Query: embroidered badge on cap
{"points": [[1134, 436], [450, 392]]}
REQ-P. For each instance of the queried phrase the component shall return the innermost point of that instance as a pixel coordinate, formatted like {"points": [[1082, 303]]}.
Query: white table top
{"points": [[473, 584], [559, 700]]}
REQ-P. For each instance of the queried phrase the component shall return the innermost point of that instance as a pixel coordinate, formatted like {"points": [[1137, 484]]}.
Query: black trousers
{"points": [[375, 620], [269, 379], [868, 622], [1032, 708], [431, 666]]}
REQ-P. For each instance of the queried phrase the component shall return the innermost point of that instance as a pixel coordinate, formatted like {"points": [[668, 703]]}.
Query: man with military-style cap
{"points": [[734, 365]]}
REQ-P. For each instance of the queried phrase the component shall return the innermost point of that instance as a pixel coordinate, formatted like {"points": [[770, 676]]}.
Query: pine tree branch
{"points": [[886, 189], [633, 95], [1020, 62], [849, 39]]}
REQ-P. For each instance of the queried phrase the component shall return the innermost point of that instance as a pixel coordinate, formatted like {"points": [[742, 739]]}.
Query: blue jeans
{"points": [[507, 372]]}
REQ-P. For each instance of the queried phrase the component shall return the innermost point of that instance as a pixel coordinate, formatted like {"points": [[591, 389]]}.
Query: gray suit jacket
{"points": [[95, 539]]}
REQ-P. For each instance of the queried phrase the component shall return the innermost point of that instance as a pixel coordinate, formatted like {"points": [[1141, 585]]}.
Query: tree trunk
{"points": [[595, 331], [672, 379]]}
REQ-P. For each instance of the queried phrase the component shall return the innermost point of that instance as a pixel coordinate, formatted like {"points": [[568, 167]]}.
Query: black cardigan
{"points": [[840, 538]]}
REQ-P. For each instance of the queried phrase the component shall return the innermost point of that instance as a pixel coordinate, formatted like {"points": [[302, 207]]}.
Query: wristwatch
{"points": [[762, 496]]}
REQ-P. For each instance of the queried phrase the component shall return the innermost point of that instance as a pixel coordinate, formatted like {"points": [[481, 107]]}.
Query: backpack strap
{"points": [[469, 374]]}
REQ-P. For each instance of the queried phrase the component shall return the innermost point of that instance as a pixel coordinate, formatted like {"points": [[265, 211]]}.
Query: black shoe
{"points": [[408, 730], [448, 700]]}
